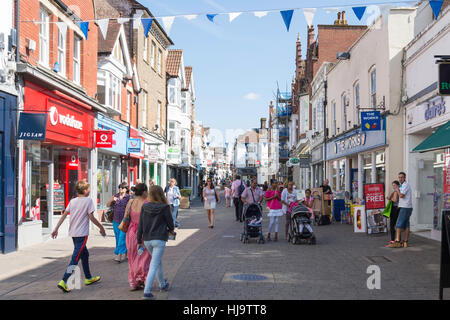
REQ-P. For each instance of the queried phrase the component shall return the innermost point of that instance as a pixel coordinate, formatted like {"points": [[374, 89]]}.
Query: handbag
{"points": [[387, 210], [123, 226], [109, 214]]}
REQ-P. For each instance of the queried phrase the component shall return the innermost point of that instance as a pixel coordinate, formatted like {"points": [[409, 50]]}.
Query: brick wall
{"points": [[29, 10]]}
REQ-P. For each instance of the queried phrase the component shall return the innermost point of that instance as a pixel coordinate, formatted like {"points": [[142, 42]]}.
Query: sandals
{"points": [[405, 244], [395, 244]]}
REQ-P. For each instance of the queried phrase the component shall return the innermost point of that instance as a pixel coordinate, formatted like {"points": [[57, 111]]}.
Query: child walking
{"points": [[81, 210]]}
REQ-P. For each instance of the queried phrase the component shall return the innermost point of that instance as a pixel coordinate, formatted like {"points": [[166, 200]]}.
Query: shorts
{"points": [[403, 218]]}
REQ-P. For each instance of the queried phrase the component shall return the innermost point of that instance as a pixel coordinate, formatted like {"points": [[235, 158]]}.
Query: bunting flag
{"points": [[436, 6], [265, 144], [167, 23], [211, 17], [234, 15], [84, 26], [359, 12], [147, 24], [56, 67], [287, 17], [62, 26], [207, 144], [246, 144], [137, 19], [260, 14], [309, 15], [190, 16], [103, 25], [122, 20]]}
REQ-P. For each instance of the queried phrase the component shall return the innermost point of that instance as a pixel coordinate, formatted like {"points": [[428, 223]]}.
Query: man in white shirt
{"points": [[405, 205]]}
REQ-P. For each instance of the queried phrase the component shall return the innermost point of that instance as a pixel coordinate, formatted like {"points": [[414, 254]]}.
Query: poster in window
{"points": [[376, 222], [58, 196]]}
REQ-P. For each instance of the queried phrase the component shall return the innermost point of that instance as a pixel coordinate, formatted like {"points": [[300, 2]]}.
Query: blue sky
{"points": [[237, 65]]}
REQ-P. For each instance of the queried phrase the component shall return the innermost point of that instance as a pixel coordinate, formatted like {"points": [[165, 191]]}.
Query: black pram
{"points": [[252, 223], [300, 226]]}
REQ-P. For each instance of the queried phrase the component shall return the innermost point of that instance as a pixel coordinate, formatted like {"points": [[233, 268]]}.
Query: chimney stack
{"points": [[343, 21], [263, 123]]}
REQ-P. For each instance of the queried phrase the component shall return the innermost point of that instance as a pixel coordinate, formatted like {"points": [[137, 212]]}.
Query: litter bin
{"points": [[338, 206]]}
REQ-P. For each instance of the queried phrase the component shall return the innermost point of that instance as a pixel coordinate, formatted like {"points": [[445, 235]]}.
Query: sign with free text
{"points": [[374, 196]]}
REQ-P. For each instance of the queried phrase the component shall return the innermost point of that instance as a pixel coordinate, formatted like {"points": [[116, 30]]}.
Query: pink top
{"points": [[227, 192], [235, 188], [249, 198], [273, 204]]}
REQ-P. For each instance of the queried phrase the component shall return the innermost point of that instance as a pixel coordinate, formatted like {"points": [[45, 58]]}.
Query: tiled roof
{"points": [[174, 62], [107, 45], [188, 72]]}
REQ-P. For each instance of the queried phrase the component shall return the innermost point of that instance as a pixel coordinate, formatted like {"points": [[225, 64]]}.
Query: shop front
{"points": [[51, 168], [153, 168], [317, 166], [109, 160], [425, 169], [355, 159], [131, 165]]}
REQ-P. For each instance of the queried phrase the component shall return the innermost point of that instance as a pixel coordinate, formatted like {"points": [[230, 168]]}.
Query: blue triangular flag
{"points": [[56, 67], [84, 26], [436, 5], [359, 12], [147, 24], [211, 17], [287, 17]]}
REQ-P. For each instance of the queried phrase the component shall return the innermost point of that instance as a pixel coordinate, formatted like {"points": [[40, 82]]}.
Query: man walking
{"points": [[237, 188], [252, 194], [405, 206]]}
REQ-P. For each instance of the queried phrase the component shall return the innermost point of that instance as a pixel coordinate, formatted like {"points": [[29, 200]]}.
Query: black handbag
{"points": [[109, 214]]}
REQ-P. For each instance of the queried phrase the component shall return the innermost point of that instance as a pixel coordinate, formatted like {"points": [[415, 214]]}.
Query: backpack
{"points": [[241, 189]]}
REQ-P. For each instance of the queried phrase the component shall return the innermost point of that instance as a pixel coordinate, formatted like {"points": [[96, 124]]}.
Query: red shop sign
{"points": [[67, 122], [103, 138], [374, 196]]}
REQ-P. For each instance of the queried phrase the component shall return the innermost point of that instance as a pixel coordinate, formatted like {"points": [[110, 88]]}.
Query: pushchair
{"points": [[300, 226], [252, 224]]}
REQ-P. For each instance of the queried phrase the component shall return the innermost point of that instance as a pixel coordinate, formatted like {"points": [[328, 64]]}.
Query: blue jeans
{"points": [[79, 252], [156, 249], [175, 215], [403, 218], [121, 246]]}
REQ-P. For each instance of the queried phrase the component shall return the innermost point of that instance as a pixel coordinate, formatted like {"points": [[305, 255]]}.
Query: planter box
{"points": [[185, 203]]}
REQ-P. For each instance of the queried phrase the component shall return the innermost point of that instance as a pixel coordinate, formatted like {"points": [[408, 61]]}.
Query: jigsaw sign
{"points": [[371, 121]]}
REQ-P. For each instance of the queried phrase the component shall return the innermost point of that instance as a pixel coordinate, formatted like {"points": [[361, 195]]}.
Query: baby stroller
{"points": [[252, 224], [300, 227]]}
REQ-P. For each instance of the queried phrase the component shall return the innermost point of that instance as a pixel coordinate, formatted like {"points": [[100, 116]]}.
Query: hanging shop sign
{"points": [[120, 136], [134, 145], [153, 153], [371, 121], [444, 79], [32, 126], [103, 138]]}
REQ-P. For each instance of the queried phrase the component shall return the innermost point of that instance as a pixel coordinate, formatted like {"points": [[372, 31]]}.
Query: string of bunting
{"points": [[286, 14]]}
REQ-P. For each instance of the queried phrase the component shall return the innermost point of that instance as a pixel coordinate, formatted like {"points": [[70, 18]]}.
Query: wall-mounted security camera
{"points": [[404, 98]]}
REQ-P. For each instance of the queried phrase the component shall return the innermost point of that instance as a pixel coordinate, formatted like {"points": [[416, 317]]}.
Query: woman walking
{"points": [[228, 196], [211, 198], [155, 223], [120, 201], [138, 264], [173, 195], [288, 196], [273, 198], [394, 196]]}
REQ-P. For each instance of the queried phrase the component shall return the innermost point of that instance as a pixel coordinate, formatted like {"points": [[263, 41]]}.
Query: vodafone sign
{"points": [[67, 120], [103, 138]]}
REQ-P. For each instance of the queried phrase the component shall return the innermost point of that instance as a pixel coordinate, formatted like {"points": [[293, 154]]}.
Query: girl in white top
{"points": [[210, 196], [288, 196]]}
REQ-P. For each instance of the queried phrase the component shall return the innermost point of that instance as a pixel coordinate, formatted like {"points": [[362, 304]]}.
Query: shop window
{"points": [[32, 181], [380, 167], [367, 161]]}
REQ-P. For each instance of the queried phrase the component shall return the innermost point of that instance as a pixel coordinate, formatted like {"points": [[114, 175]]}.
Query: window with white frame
{"points": [[76, 59], [158, 116], [44, 37], [183, 141], [144, 108], [357, 102], [172, 133], [373, 87], [183, 102], [145, 52], [159, 61], [152, 55], [334, 118], [344, 112], [62, 52], [109, 90], [129, 97], [173, 91]]}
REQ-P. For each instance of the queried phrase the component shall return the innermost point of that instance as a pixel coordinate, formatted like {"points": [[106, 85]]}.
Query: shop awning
{"points": [[438, 140]]}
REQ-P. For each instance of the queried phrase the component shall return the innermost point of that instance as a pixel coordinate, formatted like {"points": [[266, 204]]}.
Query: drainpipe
{"points": [[17, 147], [325, 130]]}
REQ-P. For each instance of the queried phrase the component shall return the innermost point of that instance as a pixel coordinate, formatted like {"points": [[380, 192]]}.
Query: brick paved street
{"points": [[200, 262]]}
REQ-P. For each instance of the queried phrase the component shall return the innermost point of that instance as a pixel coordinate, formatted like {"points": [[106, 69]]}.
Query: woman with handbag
{"points": [[119, 201], [138, 264], [211, 198]]}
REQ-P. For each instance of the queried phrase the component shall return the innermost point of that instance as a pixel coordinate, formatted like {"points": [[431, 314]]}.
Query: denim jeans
{"points": [[156, 249], [175, 215], [121, 246], [79, 252]]}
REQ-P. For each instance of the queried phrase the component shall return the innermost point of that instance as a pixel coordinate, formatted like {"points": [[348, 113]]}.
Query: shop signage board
{"points": [[374, 196], [173, 153], [120, 136], [32, 126], [371, 120], [58, 196], [153, 153], [430, 113], [103, 138], [133, 145], [444, 79]]}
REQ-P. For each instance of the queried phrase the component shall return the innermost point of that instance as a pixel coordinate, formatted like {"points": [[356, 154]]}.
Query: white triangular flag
{"points": [[261, 14], [167, 23], [234, 15], [103, 25], [137, 19], [190, 16], [62, 26], [309, 15], [122, 20]]}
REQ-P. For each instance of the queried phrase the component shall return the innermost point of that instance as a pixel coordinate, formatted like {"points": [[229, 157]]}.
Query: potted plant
{"points": [[185, 202]]}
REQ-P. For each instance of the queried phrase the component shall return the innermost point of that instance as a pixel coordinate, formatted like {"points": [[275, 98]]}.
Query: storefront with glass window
{"points": [[51, 168], [109, 160], [354, 159], [425, 171]]}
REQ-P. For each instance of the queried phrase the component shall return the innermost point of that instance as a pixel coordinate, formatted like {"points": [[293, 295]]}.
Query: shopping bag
{"points": [[387, 210]]}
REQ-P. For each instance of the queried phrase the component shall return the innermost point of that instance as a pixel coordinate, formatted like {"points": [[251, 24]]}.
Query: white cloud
{"points": [[251, 96]]}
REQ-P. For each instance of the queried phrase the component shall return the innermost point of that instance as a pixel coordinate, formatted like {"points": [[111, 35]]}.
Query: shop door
{"points": [[132, 176]]}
